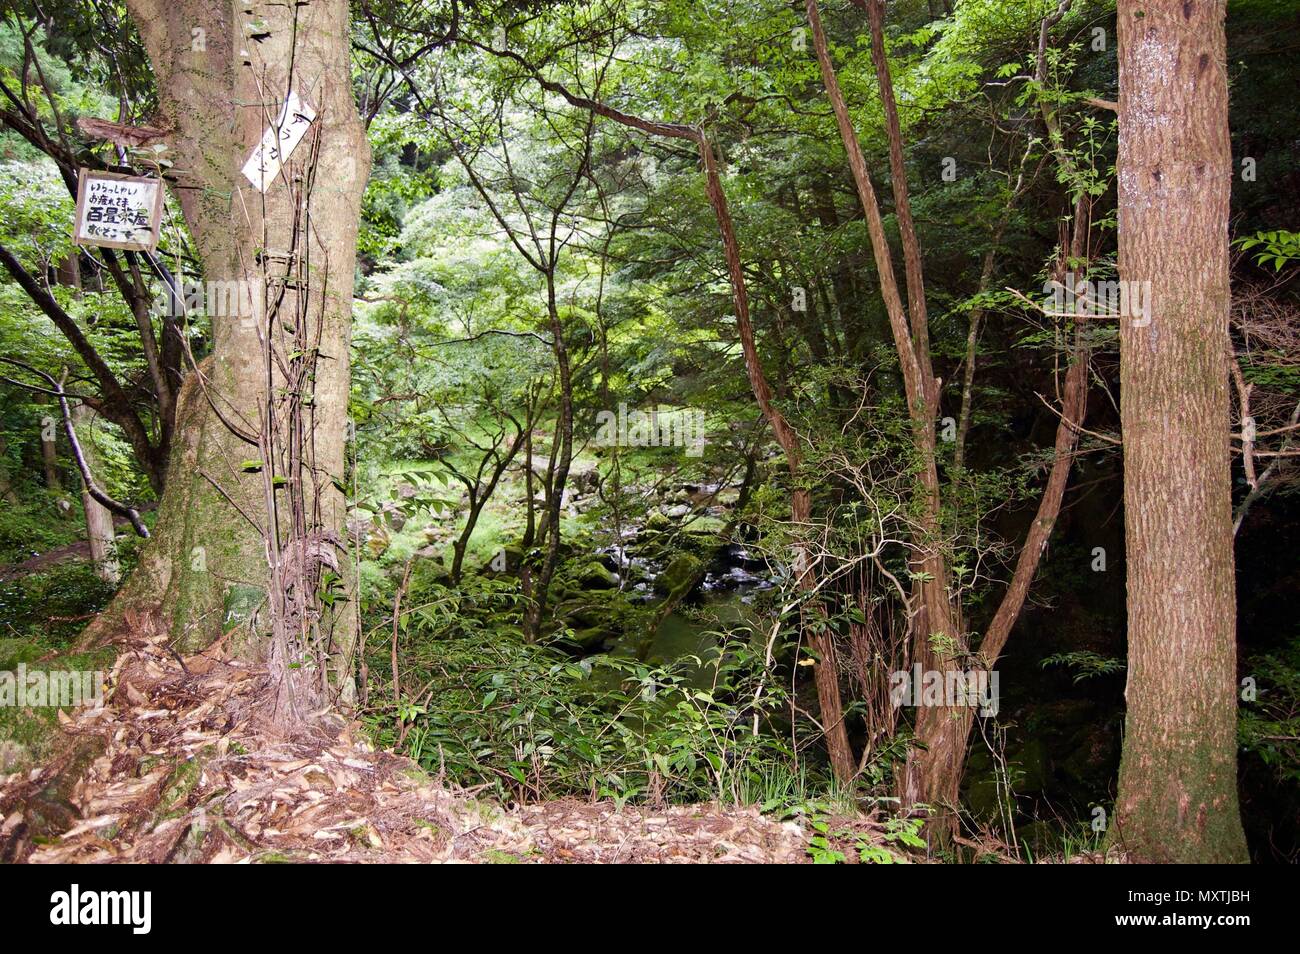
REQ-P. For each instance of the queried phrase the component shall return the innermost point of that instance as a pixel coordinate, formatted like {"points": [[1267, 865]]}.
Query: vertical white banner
{"points": [[278, 143]]}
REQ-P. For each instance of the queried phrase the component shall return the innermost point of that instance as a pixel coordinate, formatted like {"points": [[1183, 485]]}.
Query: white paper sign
{"points": [[117, 211], [278, 142]]}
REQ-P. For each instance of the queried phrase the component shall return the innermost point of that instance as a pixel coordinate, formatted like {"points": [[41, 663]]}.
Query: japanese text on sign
{"points": [[117, 211], [278, 142]]}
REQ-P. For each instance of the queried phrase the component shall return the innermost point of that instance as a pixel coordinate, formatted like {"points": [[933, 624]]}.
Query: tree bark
{"points": [[1178, 773], [209, 569], [561, 455], [99, 519], [50, 451]]}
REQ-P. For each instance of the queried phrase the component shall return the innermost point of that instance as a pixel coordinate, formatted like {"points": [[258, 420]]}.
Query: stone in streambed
{"points": [[595, 576], [678, 576]]}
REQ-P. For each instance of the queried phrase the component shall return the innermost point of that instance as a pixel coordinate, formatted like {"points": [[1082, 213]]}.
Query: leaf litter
{"points": [[182, 771]]}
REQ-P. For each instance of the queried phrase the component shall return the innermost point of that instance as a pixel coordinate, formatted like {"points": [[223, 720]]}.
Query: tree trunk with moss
{"points": [[1178, 774], [223, 73]]}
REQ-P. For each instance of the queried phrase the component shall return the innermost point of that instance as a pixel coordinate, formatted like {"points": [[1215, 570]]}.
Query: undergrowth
{"points": [[482, 707]]}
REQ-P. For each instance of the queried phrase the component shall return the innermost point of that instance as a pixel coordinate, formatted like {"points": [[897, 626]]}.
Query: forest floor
{"points": [[77, 550], [174, 768]]}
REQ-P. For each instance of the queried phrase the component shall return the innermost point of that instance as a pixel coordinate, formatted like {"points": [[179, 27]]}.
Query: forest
{"points": [[777, 431]]}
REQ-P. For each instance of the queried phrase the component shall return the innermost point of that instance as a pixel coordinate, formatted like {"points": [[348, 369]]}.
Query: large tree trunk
{"points": [[826, 675], [209, 569], [1178, 774], [561, 461]]}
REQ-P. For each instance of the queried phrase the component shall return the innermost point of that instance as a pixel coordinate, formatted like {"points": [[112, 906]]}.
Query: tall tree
{"points": [[253, 508], [826, 672], [1178, 774], [933, 771]]}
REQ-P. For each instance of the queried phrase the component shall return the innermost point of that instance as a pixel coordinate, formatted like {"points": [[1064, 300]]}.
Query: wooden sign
{"points": [[118, 211], [278, 142]]}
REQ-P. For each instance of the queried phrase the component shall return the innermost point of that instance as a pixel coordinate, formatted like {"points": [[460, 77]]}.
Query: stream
{"points": [[720, 602]]}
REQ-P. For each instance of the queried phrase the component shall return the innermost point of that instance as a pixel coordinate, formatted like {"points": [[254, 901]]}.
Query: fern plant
{"points": [[1085, 664]]}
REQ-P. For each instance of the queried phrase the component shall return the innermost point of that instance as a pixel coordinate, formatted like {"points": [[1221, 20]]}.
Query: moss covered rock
{"points": [[679, 576], [596, 576], [658, 522]]}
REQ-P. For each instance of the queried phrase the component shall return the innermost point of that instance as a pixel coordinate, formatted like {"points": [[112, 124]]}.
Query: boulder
{"points": [[982, 798], [1035, 771], [593, 637], [678, 576], [513, 558], [595, 576], [657, 522]]}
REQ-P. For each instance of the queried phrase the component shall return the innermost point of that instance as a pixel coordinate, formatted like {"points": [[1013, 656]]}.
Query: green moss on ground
{"points": [[29, 735]]}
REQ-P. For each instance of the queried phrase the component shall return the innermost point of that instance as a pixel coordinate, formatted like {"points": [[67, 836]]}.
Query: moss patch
{"points": [[29, 735]]}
